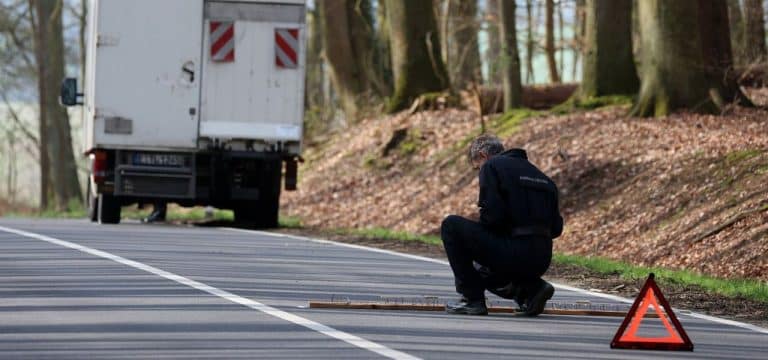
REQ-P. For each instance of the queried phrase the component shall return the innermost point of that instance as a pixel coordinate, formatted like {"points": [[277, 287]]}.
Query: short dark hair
{"points": [[487, 144]]}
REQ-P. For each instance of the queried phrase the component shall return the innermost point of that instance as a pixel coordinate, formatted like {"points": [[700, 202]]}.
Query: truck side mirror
{"points": [[69, 94]]}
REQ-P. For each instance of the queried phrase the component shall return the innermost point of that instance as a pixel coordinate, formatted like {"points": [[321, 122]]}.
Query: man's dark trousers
{"points": [[522, 260]]}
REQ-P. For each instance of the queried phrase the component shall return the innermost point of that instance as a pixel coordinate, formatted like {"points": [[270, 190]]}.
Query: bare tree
{"points": [[530, 42], [493, 51], [754, 32], [685, 57], [561, 36], [513, 92], [416, 56], [348, 78], [549, 45], [579, 34], [463, 50], [609, 65], [55, 134], [737, 30], [19, 69]]}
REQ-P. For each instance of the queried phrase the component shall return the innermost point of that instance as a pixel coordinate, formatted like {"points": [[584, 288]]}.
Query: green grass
{"points": [[575, 103], [134, 213], [197, 214], [508, 123], [747, 288], [289, 222], [741, 155], [503, 126]]}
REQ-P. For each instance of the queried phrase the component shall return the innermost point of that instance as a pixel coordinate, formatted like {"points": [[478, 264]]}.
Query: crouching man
{"points": [[509, 250]]}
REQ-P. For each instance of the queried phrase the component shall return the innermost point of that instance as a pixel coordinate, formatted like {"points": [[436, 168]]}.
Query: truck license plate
{"points": [[171, 160]]}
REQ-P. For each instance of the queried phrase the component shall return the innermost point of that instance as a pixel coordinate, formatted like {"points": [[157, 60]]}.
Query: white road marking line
{"points": [[298, 320], [559, 286]]}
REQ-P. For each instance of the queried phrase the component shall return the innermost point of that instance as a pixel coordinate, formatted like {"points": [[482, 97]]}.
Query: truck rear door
{"points": [[253, 70], [147, 75]]}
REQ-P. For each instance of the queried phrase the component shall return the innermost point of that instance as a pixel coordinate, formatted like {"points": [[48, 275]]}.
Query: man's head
{"points": [[483, 148]]}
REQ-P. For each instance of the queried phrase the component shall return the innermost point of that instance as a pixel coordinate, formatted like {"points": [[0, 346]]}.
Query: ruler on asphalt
{"points": [[574, 309]]}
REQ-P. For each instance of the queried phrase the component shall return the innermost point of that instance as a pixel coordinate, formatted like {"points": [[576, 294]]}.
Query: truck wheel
{"points": [[93, 205], [268, 213], [245, 212], [261, 214], [109, 209]]}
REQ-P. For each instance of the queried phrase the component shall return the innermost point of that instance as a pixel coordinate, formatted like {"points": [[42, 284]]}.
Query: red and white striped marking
{"points": [[223, 41], [287, 48]]}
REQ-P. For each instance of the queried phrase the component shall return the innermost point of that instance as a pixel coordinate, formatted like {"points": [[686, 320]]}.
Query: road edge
{"points": [[685, 312]]}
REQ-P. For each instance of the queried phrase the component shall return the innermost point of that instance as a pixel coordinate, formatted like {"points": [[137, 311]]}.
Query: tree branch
{"points": [[16, 119]]}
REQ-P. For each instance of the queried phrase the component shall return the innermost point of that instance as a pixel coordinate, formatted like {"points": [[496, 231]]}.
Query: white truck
{"points": [[197, 102]]}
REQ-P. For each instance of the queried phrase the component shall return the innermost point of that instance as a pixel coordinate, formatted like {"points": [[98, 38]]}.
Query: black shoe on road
{"points": [[466, 307], [540, 294], [511, 291], [155, 217]]}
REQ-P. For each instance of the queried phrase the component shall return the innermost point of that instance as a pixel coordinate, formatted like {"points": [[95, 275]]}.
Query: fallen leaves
{"points": [[638, 190]]}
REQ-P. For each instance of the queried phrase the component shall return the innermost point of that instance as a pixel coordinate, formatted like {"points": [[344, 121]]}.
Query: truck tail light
{"points": [[99, 166]]}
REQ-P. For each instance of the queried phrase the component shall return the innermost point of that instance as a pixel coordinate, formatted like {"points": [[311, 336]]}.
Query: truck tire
{"points": [[93, 204], [246, 212], [256, 214], [269, 210], [109, 209], [261, 214]]}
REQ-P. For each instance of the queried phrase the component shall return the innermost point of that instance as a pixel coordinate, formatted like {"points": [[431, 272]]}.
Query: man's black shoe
{"points": [[466, 307], [512, 292], [541, 293]]}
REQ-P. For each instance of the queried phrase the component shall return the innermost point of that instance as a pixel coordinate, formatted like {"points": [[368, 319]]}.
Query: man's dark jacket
{"points": [[516, 195]]}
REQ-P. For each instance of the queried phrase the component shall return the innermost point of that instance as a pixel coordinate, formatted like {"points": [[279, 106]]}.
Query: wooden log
{"points": [[537, 97], [441, 307]]}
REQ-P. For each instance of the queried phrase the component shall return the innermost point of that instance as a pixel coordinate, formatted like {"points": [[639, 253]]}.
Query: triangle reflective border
{"points": [[677, 339]]}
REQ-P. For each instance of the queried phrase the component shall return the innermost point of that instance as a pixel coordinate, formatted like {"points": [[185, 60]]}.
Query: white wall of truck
{"points": [[152, 82]]}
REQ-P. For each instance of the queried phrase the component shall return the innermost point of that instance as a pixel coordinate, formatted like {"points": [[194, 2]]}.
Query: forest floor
{"points": [[684, 192]]}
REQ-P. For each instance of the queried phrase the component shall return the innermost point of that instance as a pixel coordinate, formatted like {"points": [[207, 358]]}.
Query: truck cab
{"points": [[197, 102]]}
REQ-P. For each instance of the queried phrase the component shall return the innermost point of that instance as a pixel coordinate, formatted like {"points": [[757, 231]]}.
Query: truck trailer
{"points": [[197, 102]]}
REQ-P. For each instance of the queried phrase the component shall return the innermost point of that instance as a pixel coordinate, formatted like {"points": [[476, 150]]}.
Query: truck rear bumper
{"points": [[218, 178], [152, 174]]}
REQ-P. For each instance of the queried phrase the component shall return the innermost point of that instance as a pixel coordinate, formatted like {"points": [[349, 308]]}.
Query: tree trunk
{"points": [[609, 65], [685, 54], [363, 40], [513, 92], [384, 53], [561, 36], [416, 61], [45, 164], [49, 49], [313, 91], [340, 54], [494, 43], [579, 35], [718, 54], [554, 77], [83, 24], [737, 30], [530, 43], [754, 32], [464, 52]]}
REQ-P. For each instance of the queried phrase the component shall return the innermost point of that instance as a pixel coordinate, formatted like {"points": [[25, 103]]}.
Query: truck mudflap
{"points": [[292, 173]]}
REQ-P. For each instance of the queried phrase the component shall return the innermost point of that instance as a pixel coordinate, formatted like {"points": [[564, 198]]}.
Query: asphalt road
{"points": [[70, 289]]}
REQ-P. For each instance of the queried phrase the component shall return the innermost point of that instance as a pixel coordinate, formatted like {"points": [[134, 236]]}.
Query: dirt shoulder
{"points": [[687, 297]]}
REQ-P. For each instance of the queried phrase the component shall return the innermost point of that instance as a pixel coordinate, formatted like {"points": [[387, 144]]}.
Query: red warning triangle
{"points": [[651, 295]]}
